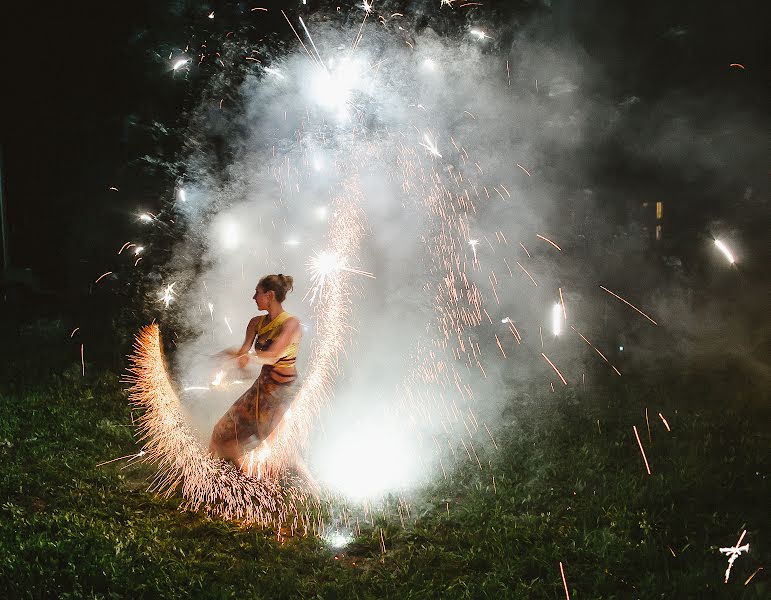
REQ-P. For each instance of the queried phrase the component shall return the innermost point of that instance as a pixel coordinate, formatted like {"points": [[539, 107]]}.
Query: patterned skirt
{"points": [[256, 413]]}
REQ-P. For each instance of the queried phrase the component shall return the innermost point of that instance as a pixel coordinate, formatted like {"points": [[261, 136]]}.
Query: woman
{"points": [[276, 337]]}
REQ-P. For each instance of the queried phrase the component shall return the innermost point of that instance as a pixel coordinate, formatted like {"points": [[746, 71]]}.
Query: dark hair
{"points": [[279, 284]]}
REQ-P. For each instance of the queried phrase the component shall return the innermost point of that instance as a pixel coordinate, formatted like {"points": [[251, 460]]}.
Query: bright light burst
{"points": [[725, 250], [556, 319], [167, 294]]}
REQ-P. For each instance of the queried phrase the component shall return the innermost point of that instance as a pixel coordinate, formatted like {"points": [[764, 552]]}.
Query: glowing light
{"points": [[145, 217], [337, 538], [726, 252], [218, 378], [211, 15], [321, 212], [292, 242], [332, 87], [230, 236], [167, 295], [479, 34], [557, 319], [368, 459], [138, 250], [182, 195], [429, 64], [180, 63]]}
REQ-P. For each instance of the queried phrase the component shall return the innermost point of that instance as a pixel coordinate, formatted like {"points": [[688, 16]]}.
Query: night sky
{"points": [[88, 91]]}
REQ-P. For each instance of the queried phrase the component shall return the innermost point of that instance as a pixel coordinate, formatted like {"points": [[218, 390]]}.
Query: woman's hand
{"points": [[242, 361]]}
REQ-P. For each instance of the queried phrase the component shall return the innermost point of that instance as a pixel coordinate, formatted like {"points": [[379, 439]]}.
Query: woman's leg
{"points": [[235, 426]]}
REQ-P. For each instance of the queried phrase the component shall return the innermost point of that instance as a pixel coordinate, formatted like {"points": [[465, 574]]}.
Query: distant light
{"points": [[230, 236], [338, 538], [182, 195], [211, 15], [479, 34], [620, 348], [556, 319], [292, 242], [726, 252]]}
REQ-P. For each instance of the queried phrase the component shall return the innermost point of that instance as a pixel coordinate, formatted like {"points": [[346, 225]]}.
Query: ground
{"points": [[567, 485]]}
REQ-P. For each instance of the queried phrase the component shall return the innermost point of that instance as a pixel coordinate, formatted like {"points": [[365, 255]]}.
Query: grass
{"points": [[565, 489]]}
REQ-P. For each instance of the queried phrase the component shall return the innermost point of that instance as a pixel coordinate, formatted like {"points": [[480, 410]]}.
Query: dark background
{"points": [[89, 97]]}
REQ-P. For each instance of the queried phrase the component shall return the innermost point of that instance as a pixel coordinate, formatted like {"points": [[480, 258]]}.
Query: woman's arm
{"points": [[288, 332], [240, 353]]}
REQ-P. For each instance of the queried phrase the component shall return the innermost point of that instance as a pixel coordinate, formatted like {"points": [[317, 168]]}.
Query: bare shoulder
{"points": [[292, 324], [253, 322]]}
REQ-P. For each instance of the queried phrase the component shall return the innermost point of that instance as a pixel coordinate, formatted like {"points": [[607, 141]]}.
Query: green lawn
{"points": [[566, 490]]}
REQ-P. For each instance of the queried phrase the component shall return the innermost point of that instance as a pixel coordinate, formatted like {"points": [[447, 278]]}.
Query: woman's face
{"points": [[262, 298]]}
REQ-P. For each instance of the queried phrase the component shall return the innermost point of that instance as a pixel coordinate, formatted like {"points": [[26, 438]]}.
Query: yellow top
{"points": [[268, 331]]}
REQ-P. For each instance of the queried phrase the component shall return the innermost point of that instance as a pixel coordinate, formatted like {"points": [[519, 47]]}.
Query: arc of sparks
{"points": [[267, 495]]}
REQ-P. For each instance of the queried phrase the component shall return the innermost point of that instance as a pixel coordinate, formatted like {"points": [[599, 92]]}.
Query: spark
{"points": [[211, 15], [596, 350], [474, 244], [733, 553], [114, 189], [102, 276], [538, 235], [430, 146], [755, 572], [556, 370], [230, 329], [642, 451], [182, 195], [524, 169], [367, 6], [82, 361], [211, 310], [564, 582], [665, 422], [741, 66], [628, 304], [322, 265], [562, 302], [139, 454], [479, 34], [167, 295], [74, 331], [138, 250], [726, 252]]}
